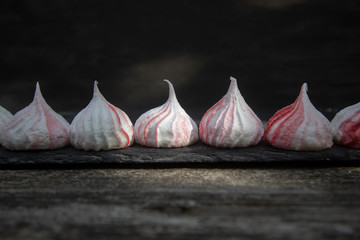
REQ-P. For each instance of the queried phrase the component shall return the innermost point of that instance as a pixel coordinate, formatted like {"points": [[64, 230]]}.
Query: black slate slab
{"points": [[197, 153]]}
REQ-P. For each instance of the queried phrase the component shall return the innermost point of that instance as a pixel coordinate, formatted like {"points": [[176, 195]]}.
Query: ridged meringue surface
{"points": [[35, 127], [299, 126], [166, 126], [345, 126], [5, 116], [101, 126], [231, 122]]}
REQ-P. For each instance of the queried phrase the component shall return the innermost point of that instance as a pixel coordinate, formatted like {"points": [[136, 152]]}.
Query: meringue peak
{"points": [[233, 88], [96, 92], [101, 126], [233, 93], [37, 126], [167, 125], [299, 126], [304, 88], [231, 122], [172, 96], [38, 97], [39, 100], [304, 102], [303, 93], [37, 91]]}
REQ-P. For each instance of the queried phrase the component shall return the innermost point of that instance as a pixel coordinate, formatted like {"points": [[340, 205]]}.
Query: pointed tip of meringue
{"points": [[171, 87], [233, 81], [304, 87], [96, 89], [38, 93], [172, 95], [303, 92], [37, 87], [233, 85]]}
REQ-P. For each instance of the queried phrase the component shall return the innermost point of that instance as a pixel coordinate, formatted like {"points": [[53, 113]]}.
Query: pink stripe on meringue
{"points": [[208, 116], [112, 108], [351, 131], [158, 124], [290, 127], [150, 122], [225, 123]]}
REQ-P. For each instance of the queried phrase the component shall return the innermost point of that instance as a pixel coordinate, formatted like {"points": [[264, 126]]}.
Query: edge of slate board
{"points": [[197, 153]]}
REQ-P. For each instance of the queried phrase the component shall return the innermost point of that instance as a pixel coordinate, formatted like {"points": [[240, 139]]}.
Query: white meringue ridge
{"points": [[101, 126], [5, 116], [166, 126]]}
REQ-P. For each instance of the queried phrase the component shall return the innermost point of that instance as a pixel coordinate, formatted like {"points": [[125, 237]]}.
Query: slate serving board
{"points": [[197, 153]]}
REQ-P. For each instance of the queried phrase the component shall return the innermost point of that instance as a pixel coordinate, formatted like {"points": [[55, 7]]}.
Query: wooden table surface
{"points": [[181, 201]]}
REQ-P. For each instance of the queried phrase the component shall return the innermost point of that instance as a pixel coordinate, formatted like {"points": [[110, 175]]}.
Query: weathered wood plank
{"points": [[185, 203]]}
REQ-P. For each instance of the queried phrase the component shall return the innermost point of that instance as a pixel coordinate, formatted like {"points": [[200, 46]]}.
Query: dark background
{"points": [[271, 47]]}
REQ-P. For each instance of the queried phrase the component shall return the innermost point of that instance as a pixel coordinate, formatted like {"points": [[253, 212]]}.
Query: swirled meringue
{"points": [[345, 126], [101, 126], [166, 126], [231, 122], [299, 126], [5, 116], [35, 127]]}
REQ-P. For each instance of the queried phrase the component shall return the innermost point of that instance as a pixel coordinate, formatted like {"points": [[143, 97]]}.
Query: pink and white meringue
{"points": [[101, 126], [231, 123], [299, 126], [166, 126], [345, 126], [35, 127], [5, 116]]}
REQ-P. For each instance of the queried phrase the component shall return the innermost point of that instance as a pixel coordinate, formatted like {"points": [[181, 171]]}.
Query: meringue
{"points": [[231, 122], [166, 126], [35, 127], [101, 126], [5, 116], [345, 126], [299, 126]]}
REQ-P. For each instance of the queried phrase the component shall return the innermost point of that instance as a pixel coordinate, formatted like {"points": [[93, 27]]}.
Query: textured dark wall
{"points": [[271, 47]]}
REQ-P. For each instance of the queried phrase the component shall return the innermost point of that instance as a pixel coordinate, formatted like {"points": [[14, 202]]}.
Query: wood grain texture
{"points": [[181, 203]]}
